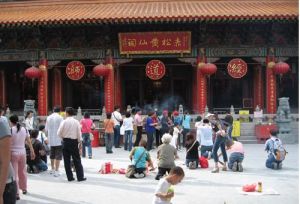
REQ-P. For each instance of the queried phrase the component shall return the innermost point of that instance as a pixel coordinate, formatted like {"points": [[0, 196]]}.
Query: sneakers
{"points": [[90, 157], [137, 175], [234, 166], [56, 174], [209, 155], [52, 171], [240, 167], [274, 165], [24, 192], [280, 165], [193, 165], [224, 168], [215, 170]]}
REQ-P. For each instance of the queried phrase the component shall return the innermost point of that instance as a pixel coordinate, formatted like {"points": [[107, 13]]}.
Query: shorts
{"points": [[56, 152]]}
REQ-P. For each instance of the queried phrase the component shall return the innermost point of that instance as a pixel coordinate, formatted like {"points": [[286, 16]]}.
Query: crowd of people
{"points": [[67, 138]]}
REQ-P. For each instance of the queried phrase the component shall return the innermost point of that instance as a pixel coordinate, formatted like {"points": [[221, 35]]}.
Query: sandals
{"points": [[215, 170]]}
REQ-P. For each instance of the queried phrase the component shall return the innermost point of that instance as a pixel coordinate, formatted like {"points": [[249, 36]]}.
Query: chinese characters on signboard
{"points": [[237, 68], [155, 42], [155, 69], [75, 70]]}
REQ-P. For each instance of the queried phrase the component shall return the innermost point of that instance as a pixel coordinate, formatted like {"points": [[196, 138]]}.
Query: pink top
{"points": [[237, 147], [86, 125], [18, 140]]}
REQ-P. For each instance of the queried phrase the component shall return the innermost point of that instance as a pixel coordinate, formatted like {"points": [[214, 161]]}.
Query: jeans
{"points": [[229, 130], [138, 135], [42, 166], [108, 141], [117, 136], [220, 142], [10, 192], [271, 159], [86, 143], [128, 139], [150, 137], [205, 149], [235, 157], [187, 161], [157, 137]]}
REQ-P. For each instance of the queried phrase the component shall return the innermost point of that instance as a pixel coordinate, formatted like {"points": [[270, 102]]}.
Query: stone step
{"points": [[247, 137], [248, 141]]}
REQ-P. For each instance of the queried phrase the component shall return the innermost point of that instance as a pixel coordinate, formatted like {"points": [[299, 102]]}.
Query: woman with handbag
{"points": [[86, 130], [139, 157], [192, 153]]}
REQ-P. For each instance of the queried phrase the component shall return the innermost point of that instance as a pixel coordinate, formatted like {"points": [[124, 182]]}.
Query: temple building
{"points": [[161, 53]]}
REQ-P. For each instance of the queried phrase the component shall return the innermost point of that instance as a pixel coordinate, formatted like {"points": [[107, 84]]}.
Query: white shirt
{"points": [[128, 123], [52, 125], [39, 137], [174, 137], [117, 117], [70, 128], [205, 135], [29, 123], [162, 187]]}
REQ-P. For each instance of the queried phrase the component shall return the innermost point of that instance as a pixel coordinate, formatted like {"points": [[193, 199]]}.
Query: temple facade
{"points": [[198, 53]]}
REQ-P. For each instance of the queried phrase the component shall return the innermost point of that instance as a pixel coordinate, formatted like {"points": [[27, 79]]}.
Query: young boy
{"points": [[237, 155], [164, 191]]}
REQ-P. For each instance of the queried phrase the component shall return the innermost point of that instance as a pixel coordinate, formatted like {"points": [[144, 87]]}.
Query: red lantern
{"points": [[208, 69], [101, 70], [32, 72], [281, 68]]}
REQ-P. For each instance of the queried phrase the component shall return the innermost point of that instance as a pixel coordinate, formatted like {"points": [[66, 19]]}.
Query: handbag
{"points": [[46, 147], [91, 136], [131, 168]]}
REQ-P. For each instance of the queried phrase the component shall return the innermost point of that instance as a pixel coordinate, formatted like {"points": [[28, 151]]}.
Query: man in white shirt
{"points": [[52, 125], [117, 118], [70, 131]]}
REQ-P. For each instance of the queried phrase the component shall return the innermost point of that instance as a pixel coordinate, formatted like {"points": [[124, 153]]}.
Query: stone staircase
{"points": [[248, 134]]}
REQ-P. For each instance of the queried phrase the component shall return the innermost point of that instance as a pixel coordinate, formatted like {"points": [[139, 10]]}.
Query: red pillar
{"points": [[43, 88], [2, 89], [271, 102], [258, 87], [56, 88], [201, 83], [109, 87]]}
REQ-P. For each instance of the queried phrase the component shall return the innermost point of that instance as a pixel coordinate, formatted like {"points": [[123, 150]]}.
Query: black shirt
{"points": [[193, 153]]}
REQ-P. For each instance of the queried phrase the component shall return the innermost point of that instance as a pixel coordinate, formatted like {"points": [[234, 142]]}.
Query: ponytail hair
{"points": [[14, 119]]}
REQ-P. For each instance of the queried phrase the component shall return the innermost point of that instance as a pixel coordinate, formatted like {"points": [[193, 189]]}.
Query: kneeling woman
{"points": [[139, 157]]}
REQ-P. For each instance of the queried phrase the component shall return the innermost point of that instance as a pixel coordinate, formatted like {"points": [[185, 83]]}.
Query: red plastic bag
{"points": [[106, 168], [203, 162], [249, 187]]}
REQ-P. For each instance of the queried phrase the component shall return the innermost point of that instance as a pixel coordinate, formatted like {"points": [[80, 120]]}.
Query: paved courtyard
{"points": [[198, 186]]}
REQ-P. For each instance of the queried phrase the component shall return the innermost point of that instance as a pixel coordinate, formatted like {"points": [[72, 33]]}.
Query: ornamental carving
{"points": [[237, 68], [155, 69]]}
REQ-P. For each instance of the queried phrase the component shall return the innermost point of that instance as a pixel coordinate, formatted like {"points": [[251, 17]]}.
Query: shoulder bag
{"points": [[131, 168]]}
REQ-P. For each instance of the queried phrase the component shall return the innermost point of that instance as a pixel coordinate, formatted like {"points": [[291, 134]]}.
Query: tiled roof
{"points": [[131, 11]]}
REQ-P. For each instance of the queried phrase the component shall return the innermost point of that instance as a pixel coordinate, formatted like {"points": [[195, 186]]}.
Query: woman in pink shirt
{"points": [[237, 155], [18, 153], [86, 128]]}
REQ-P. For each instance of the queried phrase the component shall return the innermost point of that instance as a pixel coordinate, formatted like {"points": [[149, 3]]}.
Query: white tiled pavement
{"points": [[198, 186]]}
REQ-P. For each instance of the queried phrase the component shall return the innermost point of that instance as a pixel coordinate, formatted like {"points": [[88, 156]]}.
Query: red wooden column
{"points": [[56, 88], [201, 83], [270, 86], [43, 88], [109, 86], [258, 87], [2, 89]]}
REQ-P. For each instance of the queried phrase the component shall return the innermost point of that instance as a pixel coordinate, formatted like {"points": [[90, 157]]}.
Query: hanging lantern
{"points": [[281, 68], [271, 64], [101, 70], [201, 64], [208, 69], [32, 73]]}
